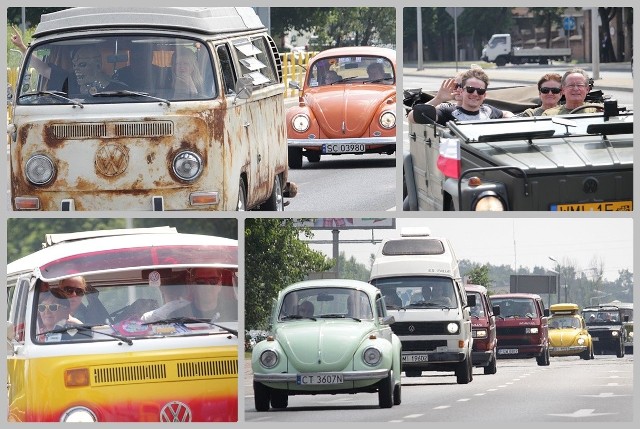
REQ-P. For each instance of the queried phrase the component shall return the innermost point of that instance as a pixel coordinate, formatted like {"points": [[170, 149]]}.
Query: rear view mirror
{"points": [[424, 114]]}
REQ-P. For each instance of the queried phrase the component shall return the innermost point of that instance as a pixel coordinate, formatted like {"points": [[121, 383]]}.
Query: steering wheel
{"points": [[598, 107]]}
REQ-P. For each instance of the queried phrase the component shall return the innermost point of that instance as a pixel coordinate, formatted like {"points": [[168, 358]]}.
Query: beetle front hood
{"points": [[564, 337], [347, 110], [324, 345]]}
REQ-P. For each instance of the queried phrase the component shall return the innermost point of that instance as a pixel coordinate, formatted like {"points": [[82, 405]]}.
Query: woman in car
{"points": [[550, 90]]}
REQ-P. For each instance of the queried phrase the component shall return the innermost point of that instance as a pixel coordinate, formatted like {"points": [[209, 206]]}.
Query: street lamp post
{"points": [[566, 287]]}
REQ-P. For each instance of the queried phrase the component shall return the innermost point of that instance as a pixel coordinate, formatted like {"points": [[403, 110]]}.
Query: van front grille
{"points": [[111, 130], [78, 131], [207, 368], [129, 373], [144, 129]]}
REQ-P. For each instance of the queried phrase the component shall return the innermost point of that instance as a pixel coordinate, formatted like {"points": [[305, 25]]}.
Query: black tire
{"points": [[464, 372], [620, 351], [397, 394], [586, 355], [275, 203], [279, 399], [313, 156], [492, 368], [385, 392], [501, 61], [543, 359], [261, 396], [413, 373], [295, 157], [242, 196]]}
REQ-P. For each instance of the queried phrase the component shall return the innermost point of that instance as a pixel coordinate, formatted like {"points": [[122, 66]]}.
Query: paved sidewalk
{"points": [[616, 76]]}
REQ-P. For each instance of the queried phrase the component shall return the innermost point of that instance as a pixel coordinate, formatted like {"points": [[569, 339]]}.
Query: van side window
{"points": [[226, 66], [18, 308], [254, 62]]}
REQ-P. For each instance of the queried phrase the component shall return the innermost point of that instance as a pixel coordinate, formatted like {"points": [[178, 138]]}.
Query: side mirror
{"points": [[389, 320], [471, 300], [294, 85], [496, 310], [424, 114]]}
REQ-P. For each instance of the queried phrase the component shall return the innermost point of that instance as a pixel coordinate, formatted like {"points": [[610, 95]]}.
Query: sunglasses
{"points": [[471, 89], [50, 307], [73, 290], [546, 90]]}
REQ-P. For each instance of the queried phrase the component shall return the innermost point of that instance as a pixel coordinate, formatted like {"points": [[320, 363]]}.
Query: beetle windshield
{"points": [[351, 69], [117, 69], [325, 302]]}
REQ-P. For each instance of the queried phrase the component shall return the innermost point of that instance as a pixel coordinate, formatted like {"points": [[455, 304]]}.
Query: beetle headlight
{"points": [[531, 330], [187, 165], [372, 356], [39, 169], [387, 120], [300, 122], [489, 203], [78, 415], [269, 358], [452, 328]]}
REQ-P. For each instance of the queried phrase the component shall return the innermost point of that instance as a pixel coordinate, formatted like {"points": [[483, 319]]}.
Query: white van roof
{"points": [[206, 20], [421, 255]]}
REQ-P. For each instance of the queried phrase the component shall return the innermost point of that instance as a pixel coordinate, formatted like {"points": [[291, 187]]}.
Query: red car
{"points": [[347, 105], [483, 324]]}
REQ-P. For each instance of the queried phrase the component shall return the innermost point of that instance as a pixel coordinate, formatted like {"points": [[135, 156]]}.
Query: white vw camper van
{"points": [[419, 277]]}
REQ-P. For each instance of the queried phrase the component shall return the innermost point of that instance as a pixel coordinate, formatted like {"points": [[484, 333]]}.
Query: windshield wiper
{"points": [[344, 79], [183, 320], [55, 94], [127, 93], [88, 328], [339, 316], [298, 317]]}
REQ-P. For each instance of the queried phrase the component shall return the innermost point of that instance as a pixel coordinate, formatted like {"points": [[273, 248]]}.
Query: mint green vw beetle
{"points": [[327, 337]]}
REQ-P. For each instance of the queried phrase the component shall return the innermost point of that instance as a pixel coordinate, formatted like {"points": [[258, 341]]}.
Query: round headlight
{"points": [[78, 415], [489, 204], [372, 356], [300, 122], [269, 358], [388, 120], [581, 341], [452, 328], [39, 169], [614, 333], [187, 165]]}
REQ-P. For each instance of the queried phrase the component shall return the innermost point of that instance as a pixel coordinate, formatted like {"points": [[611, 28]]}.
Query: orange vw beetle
{"points": [[347, 105]]}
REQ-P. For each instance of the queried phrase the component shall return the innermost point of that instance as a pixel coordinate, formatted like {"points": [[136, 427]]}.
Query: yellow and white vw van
{"points": [[133, 108], [124, 325]]}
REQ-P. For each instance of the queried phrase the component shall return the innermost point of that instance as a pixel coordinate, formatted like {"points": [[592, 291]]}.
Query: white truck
{"points": [[501, 51]]}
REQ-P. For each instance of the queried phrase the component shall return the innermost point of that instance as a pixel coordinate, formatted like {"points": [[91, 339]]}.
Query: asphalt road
{"points": [[570, 390]]}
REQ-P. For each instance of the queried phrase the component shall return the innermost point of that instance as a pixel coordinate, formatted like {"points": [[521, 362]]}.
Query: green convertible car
{"points": [[327, 337]]}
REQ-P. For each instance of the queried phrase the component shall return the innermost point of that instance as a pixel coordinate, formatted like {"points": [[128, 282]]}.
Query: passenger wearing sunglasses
{"points": [[472, 108], [53, 312], [575, 87], [74, 289], [550, 89]]}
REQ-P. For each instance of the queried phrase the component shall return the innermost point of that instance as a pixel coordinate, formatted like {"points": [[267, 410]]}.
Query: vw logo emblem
{"points": [[111, 160], [590, 185], [175, 411], [412, 328]]}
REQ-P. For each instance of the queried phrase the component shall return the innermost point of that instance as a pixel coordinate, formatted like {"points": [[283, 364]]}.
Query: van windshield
{"points": [[156, 304], [117, 69], [417, 291]]}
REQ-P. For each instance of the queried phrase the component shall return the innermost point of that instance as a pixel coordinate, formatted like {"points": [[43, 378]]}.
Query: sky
{"points": [[526, 242]]}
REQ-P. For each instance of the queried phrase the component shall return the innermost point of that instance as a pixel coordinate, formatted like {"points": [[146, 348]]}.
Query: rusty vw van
{"points": [[149, 109]]}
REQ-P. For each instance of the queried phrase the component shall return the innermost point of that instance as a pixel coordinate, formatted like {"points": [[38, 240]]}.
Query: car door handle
{"points": [[247, 124]]}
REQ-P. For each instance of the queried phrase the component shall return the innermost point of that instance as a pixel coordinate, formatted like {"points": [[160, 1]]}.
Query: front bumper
{"points": [[377, 374], [481, 358], [567, 351]]}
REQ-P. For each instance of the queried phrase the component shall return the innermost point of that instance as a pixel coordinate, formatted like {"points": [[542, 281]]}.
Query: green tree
{"points": [[275, 257], [479, 275], [352, 269]]}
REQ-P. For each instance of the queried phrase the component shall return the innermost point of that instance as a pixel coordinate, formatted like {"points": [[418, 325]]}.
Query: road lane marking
{"points": [[586, 412], [442, 407]]}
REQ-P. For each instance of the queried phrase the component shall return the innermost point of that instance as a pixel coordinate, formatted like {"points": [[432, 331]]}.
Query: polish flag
{"points": [[449, 158]]}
